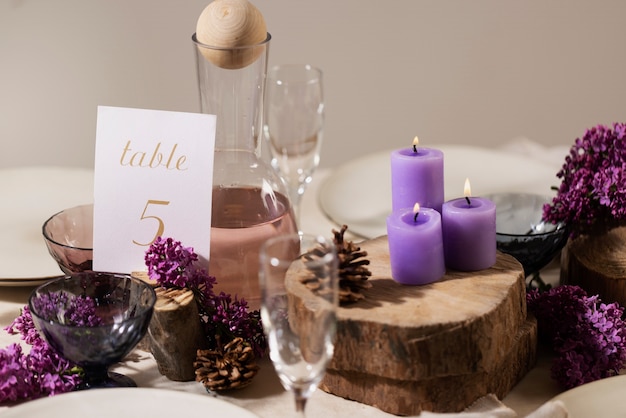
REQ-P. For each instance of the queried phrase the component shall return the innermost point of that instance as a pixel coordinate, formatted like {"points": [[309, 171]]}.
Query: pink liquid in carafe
{"points": [[242, 220]]}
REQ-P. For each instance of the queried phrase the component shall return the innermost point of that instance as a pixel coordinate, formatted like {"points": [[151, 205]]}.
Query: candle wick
{"points": [[415, 217], [415, 148], [469, 202]]}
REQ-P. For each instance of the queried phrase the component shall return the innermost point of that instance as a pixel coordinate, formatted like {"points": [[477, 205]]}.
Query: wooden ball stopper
{"points": [[228, 26]]}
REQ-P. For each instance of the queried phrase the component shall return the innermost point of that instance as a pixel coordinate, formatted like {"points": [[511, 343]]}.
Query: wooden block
{"points": [[597, 264], [410, 344], [175, 333]]}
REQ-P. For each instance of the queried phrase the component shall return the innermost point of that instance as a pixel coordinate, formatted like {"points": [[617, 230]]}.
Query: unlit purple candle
{"points": [[469, 233], [415, 246], [417, 176]]}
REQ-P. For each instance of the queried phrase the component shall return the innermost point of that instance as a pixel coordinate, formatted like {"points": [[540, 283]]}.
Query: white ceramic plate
{"points": [[358, 193], [602, 398], [28, 197], [127, 403]]}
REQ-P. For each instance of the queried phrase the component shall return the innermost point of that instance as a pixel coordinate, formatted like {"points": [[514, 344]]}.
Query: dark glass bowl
{"points": [[522, 233], [124, 306], [69, 238]]}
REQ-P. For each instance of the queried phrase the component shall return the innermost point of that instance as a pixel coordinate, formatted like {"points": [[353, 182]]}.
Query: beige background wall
{"points": [[454, 71]]}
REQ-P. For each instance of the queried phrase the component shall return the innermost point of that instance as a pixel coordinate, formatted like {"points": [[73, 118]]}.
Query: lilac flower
{"points": [[588, 337], [41, 372], [592, 194], [173, 265], [24, 326], [78, 310], [13, 375], [200, 281], [167, 261], [230, 319]]}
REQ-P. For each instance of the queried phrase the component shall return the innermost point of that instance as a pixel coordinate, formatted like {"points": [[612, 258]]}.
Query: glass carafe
{"points": [[250, 201]]}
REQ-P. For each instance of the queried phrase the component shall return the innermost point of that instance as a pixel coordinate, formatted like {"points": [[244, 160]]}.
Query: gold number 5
{"points": [[159, 220]]}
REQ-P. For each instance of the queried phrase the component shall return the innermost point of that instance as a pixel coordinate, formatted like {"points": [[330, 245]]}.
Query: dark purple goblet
{"points": [[522, 232], [120, 311], [69, 238]]}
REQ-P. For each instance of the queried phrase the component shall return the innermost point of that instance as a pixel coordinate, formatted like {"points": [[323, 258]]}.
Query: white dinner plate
{"points": [[602, 398], [29, 196], [358, 193], [127, 403]]}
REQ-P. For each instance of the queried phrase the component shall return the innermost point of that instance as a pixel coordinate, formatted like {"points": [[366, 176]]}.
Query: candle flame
{"points": [[467, 190], [416, 208], [415, 142]]}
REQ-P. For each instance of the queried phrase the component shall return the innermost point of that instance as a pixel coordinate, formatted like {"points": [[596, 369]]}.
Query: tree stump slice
{"points": [[175, 333], [437, 347], [597, 263], [443, 394]]}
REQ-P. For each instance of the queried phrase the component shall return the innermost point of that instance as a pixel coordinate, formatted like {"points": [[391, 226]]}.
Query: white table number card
{"points": [[153, 177]]}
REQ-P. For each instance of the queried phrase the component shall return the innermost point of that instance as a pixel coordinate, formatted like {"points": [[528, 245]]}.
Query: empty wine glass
{"points": [[293, 125], [69, 237], [299, 299]]}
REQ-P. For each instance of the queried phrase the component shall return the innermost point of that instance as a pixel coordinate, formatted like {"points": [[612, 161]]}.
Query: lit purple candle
{"points": [[469, 232], [415, 246], [417, 176]]}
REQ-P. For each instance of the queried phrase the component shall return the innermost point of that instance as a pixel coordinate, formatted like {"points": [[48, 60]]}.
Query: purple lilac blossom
{"points": [[41, 372], [172, 265], [588, 336], [167, 261], [592, 194], [230, 319], [76, 310]]}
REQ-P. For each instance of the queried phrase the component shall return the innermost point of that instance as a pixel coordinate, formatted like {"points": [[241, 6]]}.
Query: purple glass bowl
{"points": [[69, 238], [124, 305]]}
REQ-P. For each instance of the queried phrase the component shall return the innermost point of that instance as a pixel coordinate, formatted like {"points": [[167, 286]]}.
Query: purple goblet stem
{"points": [[101, 377]]}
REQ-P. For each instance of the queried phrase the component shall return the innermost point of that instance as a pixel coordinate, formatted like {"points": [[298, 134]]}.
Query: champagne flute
{"points": [[293, 125], [299, 319]]}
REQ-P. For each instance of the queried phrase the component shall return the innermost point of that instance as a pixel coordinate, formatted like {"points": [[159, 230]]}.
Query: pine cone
{"points": [[353, 273], [231, 367]]}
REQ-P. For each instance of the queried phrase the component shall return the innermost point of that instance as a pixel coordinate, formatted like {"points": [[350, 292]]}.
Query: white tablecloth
{"points": [[266, 396]]}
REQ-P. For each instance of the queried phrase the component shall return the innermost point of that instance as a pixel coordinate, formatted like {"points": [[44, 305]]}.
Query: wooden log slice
{"points": [[597, 264], [465, 323], [441, 394], [465, 328]]}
